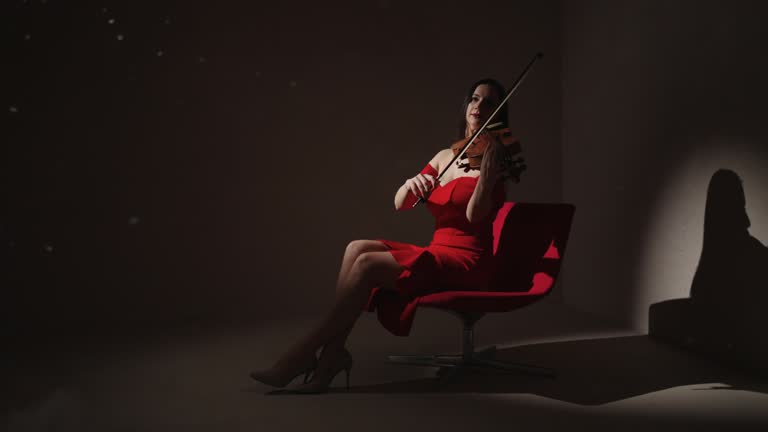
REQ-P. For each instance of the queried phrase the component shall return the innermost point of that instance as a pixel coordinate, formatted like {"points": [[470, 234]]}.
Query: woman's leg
{"points": [[369, 270], [355, 248], [358, 271]]}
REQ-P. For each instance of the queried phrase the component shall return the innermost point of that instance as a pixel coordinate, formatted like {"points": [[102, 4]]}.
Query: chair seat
{"points": [[529, 244], [488, 301]]}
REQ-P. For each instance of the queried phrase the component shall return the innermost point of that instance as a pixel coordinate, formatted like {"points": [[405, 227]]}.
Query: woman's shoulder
{"points": [[441, 159]]}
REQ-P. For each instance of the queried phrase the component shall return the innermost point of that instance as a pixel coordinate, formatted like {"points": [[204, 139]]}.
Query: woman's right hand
{"points": [[421, 185]]}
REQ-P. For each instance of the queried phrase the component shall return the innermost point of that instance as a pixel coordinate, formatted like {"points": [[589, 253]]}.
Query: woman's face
{"points": [[484, 100]]}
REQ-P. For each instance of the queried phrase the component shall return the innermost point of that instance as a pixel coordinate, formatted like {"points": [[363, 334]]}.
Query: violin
{"points": [[473, 156]]}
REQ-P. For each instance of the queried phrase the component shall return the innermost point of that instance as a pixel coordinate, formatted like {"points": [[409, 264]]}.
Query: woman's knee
{"points": [[357, 247], [365, 262], [371, 269], [376, 267]]}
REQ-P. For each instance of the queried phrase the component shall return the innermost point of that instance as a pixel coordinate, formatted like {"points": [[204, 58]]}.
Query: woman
{"points": [[464, 205]]}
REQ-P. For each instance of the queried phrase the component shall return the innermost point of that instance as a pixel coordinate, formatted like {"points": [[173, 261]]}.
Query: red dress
{"points": [[459, 257]]}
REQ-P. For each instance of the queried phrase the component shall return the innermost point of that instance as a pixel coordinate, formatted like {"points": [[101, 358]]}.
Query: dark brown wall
{"points": [[223, 177]]}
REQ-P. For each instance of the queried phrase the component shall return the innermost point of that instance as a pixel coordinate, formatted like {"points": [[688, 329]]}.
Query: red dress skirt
{"points": [[459, 257]]}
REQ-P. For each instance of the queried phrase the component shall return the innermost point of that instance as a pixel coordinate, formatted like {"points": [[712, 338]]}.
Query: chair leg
{"points": [[447, 360]]}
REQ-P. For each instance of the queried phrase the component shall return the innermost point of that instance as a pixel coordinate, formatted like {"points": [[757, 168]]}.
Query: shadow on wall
{"points": [[725, 316]]}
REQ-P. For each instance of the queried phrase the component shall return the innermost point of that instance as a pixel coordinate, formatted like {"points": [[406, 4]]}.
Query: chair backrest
{"points": [[529, 245]]}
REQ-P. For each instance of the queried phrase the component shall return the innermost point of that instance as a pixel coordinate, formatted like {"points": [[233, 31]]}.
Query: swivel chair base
{"points": [[469, 359]]}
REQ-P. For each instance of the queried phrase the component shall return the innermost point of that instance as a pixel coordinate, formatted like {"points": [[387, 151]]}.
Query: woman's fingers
{"points": [[416, 187], [421, 184], [491, 163], [413, 187], [492, 152], [431, 179], [427, 181]]}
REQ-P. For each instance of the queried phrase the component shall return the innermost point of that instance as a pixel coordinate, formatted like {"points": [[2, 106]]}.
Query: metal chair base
{"points": [[469, 359], [480, 360]]}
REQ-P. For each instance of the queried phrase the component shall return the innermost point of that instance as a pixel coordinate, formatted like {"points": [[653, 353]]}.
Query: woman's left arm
{"points": [[481, 202]]}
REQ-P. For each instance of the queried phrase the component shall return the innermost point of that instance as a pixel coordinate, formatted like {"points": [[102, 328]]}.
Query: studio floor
{"points": [[196, 379]]}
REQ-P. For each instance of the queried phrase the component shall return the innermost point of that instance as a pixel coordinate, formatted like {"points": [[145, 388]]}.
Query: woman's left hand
{"points": [[490, 165]]}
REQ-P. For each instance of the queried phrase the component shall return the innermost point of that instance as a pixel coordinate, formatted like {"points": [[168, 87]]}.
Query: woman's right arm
{"points": [[419, 185]]}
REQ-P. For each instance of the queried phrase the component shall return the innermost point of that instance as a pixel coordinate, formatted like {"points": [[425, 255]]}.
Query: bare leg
{"points": [[369, 270], [354, 250], [355, 274]]}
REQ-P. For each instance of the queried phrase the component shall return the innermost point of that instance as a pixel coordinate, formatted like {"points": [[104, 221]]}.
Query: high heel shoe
{"points": [[325, 374], [282, 379]]}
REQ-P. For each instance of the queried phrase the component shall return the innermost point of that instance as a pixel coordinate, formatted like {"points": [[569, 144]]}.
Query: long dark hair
{"points": [[502, 115]]}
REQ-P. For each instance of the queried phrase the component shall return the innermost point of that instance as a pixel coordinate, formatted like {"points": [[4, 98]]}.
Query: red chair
{"points": [[529, 245]]}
